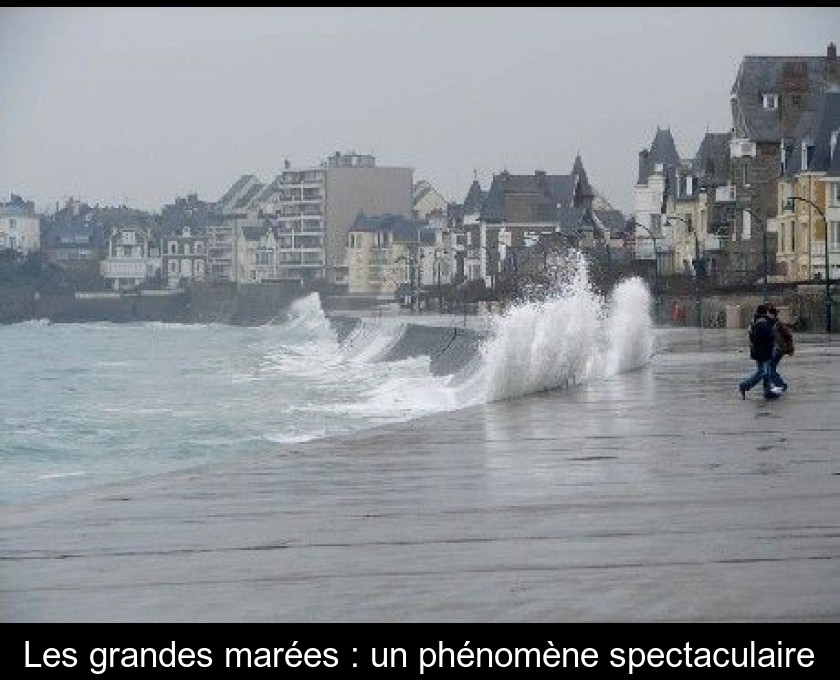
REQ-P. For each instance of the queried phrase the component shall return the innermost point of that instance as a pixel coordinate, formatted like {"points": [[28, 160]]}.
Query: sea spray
{"points": [[571, 336]]}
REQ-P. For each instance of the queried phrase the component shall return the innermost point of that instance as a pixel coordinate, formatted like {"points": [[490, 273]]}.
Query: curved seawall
{"points": [[449, 348]]}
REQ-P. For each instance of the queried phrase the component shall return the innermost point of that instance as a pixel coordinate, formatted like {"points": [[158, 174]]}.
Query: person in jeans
{"points": [[783, 345], [762, 341]]}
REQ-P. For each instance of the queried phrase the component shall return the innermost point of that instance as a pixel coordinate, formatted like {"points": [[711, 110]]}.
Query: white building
{"points": [[184, 258], [257, 255], [427, 200], [20, 226], [133, 258]]}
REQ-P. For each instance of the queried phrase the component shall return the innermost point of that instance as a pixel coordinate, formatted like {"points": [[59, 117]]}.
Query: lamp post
{"points": [[655, 268], [789, 204], [763, 248], [698, 293]]}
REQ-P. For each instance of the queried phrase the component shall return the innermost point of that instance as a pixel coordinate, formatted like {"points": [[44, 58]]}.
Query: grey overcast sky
{"points": [[142, 105]]}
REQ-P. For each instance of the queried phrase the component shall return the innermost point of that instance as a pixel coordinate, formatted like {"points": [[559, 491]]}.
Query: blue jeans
{"points": [[775, 376], [761, 375]]}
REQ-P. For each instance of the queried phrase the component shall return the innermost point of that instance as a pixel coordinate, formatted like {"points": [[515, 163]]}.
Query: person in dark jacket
{"points": [[783, 345], [762, 341]]}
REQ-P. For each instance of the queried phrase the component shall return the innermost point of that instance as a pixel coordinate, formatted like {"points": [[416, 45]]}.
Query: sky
{"points": [[139, 106]]}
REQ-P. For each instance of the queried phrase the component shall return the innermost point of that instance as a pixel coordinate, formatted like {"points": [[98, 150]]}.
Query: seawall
{"points": [[449, 348], [240, 304]]}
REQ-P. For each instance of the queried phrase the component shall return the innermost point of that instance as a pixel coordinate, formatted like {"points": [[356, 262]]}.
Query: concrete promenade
{"points": [[657, 495]]}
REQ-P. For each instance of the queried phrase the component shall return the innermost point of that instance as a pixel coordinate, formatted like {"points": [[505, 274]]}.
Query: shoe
{"points": [[771, 395], [777, 390], [742, 391]]}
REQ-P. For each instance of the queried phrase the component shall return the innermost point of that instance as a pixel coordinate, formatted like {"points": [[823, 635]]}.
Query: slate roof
{"points": [[662, 150], [246, 198], [231, 193], [803, 76], [526, 198], [819, 133], [711, 163], [474, 199]]}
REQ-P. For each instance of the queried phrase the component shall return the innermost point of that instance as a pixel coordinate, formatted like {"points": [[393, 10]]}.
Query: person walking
{"points": [[762, 340], [783, 344]]}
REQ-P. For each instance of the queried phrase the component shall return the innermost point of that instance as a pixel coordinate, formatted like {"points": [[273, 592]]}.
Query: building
{"points": [[427, 200], [519, 210], [655, 194], [391, 254], [811, 170], [133, 260], [74, 237], [189, 212], [319, 206], [257, 257], [20, 226], [184, 257], [776, 101]]}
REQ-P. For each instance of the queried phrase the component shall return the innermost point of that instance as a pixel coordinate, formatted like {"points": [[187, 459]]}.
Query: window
{"points": [[173, 247], [770, 100], [746, 175], [835, 193], [834, 235], [656, 224]]}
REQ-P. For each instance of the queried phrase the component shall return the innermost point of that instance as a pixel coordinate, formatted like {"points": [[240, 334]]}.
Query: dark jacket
{"points": [[762, 338]]}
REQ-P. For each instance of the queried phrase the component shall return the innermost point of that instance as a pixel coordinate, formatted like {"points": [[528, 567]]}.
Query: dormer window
{"points": [[770, 100], [807, 154]]}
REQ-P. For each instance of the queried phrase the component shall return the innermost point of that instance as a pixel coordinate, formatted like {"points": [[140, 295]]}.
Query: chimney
{"points": [[832, 69]]}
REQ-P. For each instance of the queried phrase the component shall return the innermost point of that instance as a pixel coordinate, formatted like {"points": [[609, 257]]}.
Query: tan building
{"points": [[391, 254], [811, 173]]}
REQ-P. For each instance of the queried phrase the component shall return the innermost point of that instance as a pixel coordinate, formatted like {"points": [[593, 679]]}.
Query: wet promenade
{"points": [[657, 495]]}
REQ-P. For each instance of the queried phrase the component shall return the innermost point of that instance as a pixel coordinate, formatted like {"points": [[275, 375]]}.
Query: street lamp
{"points": [[789, 205], [655, 267], [698, 295], [763, 247]]}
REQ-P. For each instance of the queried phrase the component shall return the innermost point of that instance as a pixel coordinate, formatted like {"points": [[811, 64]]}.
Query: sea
{"points": [[86, 404]]}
